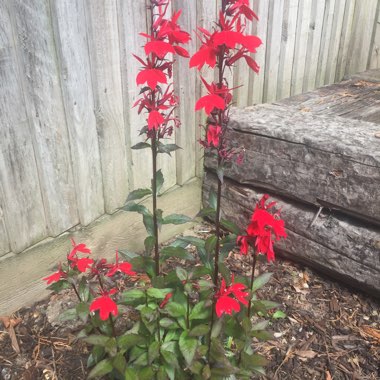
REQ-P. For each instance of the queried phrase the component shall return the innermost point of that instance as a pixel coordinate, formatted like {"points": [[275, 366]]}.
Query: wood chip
{"points": [[368, 331], [306, 354]]}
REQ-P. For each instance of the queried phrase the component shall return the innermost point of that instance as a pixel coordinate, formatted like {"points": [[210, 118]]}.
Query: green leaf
{"points": [[141, 145], [148, 223], [279, 315], [83, 311], [220, 173], [267, 305], [168, 323], [200, 330], [159, 181], [260, 325], [58, 286], [230, 226], [145, 374], [217, 328], [262, 335], [252, 361], [149, 244], [207, 212], [97, 340], [188, 347], [134, 207], [170, 358], [213, 199], [211, 244], [133, 295], [158, 294], [167, 148], [179, 252], [101, 369], [130, 374], [143, 263], [176, 219], [127, 341], [111, 347], [68, 315], [181, 273], [97, 354], [84, 290], [200, 311], [196, 242], [138, 194], [153, 352], [127, 254], [175, 309], [260, 281]]}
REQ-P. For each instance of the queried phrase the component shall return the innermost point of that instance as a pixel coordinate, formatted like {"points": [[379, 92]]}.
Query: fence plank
{"points": [[374, 59], [287, 48], [186, 88], [364, 21], [23, 207], [71, 41], [334, 41], [4, 241], [106, 78], [344, 44], [261, 8], [132, 21], [273, 51], [48, 124], [302, 35]]}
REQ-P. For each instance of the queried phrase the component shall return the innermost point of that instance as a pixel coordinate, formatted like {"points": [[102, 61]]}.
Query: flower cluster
{"points": [[94, 268], [157, 68], [222, 48], [263, 226]]}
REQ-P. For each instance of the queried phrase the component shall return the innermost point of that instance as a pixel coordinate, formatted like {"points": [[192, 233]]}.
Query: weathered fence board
{"points": [[103, 38], [72, 44], [350, 251], [23, 207], [321, 160], [374, 59], [35, 42], [4, 241]]}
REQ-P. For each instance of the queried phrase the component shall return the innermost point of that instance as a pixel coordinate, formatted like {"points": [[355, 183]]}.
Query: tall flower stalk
{"points": [[157, 102], [220, 49]]}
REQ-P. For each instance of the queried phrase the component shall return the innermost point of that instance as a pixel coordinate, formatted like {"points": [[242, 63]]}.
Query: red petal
{"points": [[155, 119], [151, 77], [181, 51], [160, 48], [251, 43], [205, 55], [226, 305], [209, 102]]}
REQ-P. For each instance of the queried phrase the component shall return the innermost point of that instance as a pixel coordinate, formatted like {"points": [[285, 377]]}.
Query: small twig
{"points": [[286, 358], [315, 217]]}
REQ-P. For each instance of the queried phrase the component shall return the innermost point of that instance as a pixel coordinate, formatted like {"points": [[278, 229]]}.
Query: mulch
{"points": [[329, 331]]}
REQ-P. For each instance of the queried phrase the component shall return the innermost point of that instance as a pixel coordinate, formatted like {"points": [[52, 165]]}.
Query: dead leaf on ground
{"points": [[9, 324], [328, 375], [306, 354], [366, 331]]}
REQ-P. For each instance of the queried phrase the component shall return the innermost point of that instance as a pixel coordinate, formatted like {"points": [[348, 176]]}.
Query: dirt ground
{"points": [[329, 331]]}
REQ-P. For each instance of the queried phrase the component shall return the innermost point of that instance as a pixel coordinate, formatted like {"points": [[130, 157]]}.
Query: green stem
{"points": [[154, 191], [254, 257]]}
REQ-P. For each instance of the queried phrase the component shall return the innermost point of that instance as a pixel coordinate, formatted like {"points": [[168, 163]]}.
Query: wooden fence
{"points": [[67, 83]]}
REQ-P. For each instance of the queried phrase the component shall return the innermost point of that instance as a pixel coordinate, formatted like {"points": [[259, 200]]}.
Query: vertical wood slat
{"points": [[71, 41], [287, 51], [344, 44], [313, 44], [102, 17], [132, 21], [273, 50], [4, 240], [41, 84], [20, 190], [364, 21], [257, 82], [374, 58], [185, 82], [302, 35]]}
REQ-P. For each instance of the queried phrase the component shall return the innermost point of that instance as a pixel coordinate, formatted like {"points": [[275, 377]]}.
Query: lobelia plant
{"points": [[190, 323]]}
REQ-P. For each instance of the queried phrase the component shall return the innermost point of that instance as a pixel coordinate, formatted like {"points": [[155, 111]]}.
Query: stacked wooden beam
{"points": [[309, 162]]}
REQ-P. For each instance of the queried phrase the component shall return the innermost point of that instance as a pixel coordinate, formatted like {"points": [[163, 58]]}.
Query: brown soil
{"points": [[329, 332]]}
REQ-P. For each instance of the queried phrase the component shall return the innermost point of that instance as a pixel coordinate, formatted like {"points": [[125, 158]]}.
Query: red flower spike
{"points": [[105, 304], [213, 133], [56, 276], [123, 266], [82, 264], [78, 248]]}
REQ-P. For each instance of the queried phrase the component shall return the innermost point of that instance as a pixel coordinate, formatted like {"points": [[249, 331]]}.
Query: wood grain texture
{"points": [[185, 84], [374, 59], [21, 283], [131, 43], [313, 44], [22, 204], [287, 152], [342, 247], [103, 34], [72, 45], [302, 35], [275, 20], [4, 240], [288, 42], [41, 83]]}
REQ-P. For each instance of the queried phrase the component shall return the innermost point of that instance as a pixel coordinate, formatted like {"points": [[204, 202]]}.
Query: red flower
{"points": [[160, 48], [209, 102], [227, 304], [82, 264], [78, 248], [213, 133], [56, 276], [124, 267], [151, 77], [105, 304], [155, 119], [166, 300]]}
